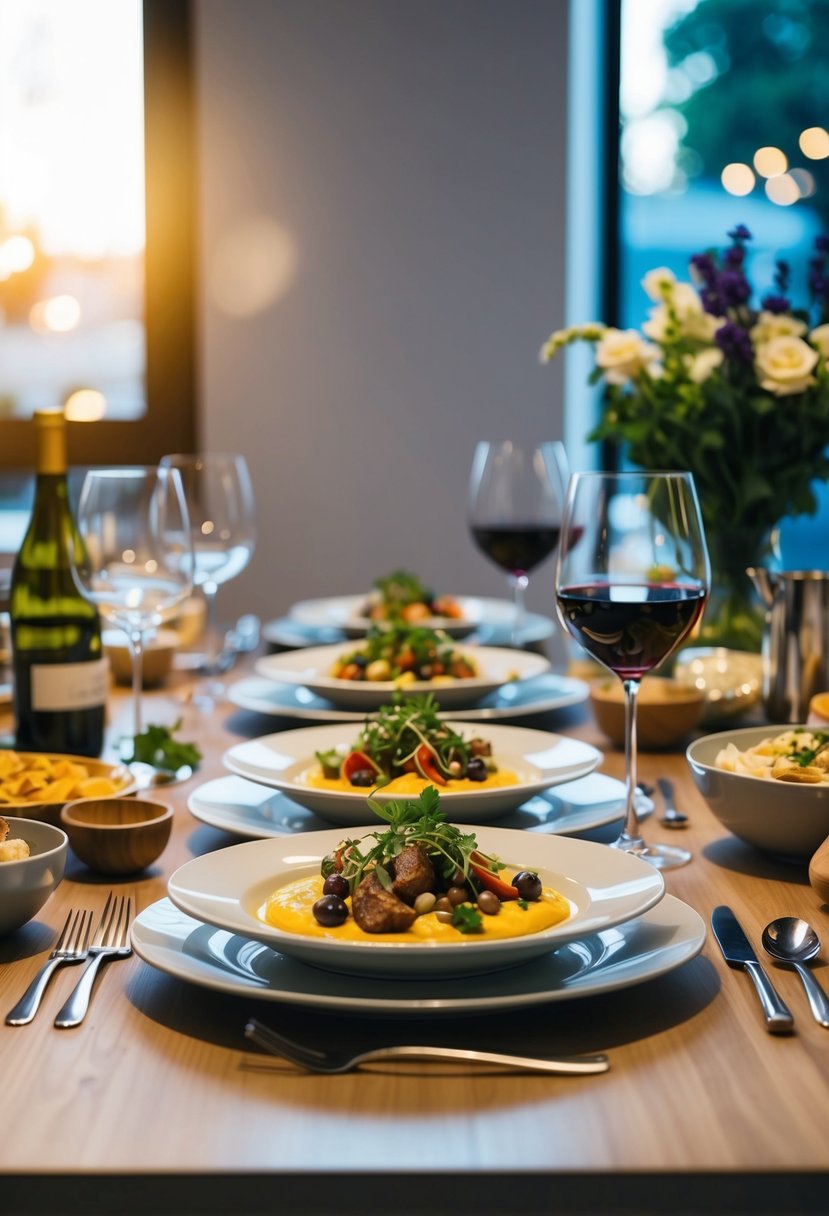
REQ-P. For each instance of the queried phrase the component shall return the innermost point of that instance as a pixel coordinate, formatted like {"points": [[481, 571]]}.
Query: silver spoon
{"points": [[148, 777], [672, 818], [792, 941]]}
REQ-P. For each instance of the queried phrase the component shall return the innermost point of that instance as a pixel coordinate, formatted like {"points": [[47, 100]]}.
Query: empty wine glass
{"points": [[139, 555], [219, 496], [516, 497], [632, 577]]}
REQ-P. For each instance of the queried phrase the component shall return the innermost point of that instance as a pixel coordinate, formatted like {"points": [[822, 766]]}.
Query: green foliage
{"points": [[156, 746]]}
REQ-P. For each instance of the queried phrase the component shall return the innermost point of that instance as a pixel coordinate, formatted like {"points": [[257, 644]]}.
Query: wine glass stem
{"points": [[136, 639], [520, 582], [630, 832], [214, 641]]}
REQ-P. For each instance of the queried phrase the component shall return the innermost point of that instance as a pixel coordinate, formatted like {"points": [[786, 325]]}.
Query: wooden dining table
{"points": [[158, 1102]]}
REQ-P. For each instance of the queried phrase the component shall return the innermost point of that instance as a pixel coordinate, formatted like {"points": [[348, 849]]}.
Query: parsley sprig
{"points": [[395, 732], [156, 746]]}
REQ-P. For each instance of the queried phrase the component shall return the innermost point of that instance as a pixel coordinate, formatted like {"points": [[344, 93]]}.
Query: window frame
{"points": [[169, 425]]}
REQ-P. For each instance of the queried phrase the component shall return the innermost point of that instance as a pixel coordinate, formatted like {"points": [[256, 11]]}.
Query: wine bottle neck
{"points": [[51, 444]]}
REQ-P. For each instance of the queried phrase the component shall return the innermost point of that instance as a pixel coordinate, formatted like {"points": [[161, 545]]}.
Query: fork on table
{"points": [[111, 941], [317, 1060], [71, 947]]}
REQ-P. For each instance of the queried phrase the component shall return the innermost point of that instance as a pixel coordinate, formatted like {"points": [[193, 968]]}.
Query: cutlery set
{"points": [[110, 941], [789, 941]]}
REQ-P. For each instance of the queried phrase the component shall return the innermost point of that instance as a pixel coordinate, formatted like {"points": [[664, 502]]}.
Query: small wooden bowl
{"points": [[117, 835], [666, 713]]}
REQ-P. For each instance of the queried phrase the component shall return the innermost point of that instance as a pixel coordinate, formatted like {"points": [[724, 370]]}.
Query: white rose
{"points": [[702, 365], [776, 325], [657, 282], [622, 354], [785, 365], [820, 338], [683, 313]]}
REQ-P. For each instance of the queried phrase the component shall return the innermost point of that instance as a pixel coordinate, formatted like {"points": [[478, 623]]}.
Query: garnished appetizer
{"points": [[406, 745], [799, 756], [401, 596], [405, 654], [420, 876]]}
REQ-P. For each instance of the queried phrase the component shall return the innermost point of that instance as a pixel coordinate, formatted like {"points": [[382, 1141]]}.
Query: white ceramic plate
{"points": [[604, 887], [541, 695], [650, 945], [494, 629], [346, 612], [254, 812], [539, 759], [310, 669]]}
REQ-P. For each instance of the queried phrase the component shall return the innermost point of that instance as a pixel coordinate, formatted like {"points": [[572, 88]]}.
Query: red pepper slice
{"points": [[427, 767], [490, 880], [355, 762]]}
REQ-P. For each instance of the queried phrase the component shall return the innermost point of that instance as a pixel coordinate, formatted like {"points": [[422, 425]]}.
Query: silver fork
{"points": [[71, 947], [315, 1060], [111, 940]]}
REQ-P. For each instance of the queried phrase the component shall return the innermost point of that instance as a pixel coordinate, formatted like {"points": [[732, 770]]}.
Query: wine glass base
{"points": [[661, 856]]}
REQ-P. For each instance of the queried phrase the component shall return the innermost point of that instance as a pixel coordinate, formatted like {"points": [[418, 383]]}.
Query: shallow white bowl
{"points": [[26, 885], [311, 669], [781, 818], [604, 887], [540, 760]]}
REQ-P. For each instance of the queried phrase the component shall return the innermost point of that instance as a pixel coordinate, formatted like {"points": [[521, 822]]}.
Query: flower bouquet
{"points": [[738, 396]]}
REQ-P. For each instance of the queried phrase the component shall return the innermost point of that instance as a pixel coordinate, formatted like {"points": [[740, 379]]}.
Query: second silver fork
{"points": [[111, 940], [71, 947]]}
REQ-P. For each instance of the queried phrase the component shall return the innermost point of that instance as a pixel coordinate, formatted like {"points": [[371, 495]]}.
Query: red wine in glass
{"points": [[516, 548], [630, 629]]}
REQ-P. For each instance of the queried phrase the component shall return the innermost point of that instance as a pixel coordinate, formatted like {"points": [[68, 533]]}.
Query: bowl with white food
{"points": [[32, 862], [768, 785]]}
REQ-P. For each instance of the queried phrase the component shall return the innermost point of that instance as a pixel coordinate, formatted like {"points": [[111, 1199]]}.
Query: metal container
{"points": [[795, 640]]}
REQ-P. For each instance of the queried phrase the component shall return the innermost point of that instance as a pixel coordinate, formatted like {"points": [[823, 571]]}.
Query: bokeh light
{"points": [[814, 143], [770, 162], [783, 190], [738, 178], [85, 405]]}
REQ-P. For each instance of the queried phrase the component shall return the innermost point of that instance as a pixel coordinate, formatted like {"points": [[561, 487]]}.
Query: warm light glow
{"points": [[769, 162], [783, 190], [72, 162], [814, 143], [85, 405], [58, 315], [207, 527], [738, 178], [16, 253], [805, 181], [253, 267]]}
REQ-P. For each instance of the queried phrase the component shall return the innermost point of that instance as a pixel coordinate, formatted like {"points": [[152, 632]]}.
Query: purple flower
{"points": [[740, 233], [734, 288], [705, 266], [734, 256], [782, 276], [822, 244], [776, 304], [735, 343]]}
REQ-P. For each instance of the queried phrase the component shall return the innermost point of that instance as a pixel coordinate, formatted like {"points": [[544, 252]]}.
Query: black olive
{"points": [[528, 885], [335, 884], [476, 770], [363, 776], [330, 910]]}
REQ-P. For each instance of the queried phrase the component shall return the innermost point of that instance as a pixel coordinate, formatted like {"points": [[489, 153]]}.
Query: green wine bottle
{"points": [[60, 673]]}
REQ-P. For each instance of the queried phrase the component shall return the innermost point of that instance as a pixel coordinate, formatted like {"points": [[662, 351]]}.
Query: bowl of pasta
{"points": [[768, 785]]}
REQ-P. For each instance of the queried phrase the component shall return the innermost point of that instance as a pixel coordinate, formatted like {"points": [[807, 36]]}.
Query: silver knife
{"points": [[737, 952]]}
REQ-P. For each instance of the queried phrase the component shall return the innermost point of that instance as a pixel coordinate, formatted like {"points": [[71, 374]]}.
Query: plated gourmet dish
{"points": [[406, 746], [402, 596], [799, 756], [421, 878], [405, 654]]}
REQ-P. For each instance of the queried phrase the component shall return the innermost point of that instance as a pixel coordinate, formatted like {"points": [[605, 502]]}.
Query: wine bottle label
{"points": [[67, 686]]}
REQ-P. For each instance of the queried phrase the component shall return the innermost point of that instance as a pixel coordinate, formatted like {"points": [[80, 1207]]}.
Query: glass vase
{"points": [[734, 615]]}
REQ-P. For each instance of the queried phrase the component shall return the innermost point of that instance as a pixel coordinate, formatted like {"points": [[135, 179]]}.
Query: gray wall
{"points": [[406, 158]]}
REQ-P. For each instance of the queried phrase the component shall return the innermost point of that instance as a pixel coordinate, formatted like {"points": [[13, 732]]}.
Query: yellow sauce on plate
{"points": [[289, 909], [409, 785]]}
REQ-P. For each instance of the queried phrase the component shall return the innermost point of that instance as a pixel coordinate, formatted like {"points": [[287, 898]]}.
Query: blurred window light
{"points": [[769, 162], [85, 405], [72, 189], [814, 143], [738, 178]]}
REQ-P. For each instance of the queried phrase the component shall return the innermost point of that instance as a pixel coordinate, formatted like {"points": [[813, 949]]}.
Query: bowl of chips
{"points": [[35, 785]]}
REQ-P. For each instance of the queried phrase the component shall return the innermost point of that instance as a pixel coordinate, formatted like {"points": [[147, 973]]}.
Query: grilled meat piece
{"points": [[377, 910], [480, 747], [413, 873]]}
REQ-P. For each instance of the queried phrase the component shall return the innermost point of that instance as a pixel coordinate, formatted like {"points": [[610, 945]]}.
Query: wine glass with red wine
{"points": [[632, 578], [516, 497]]}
